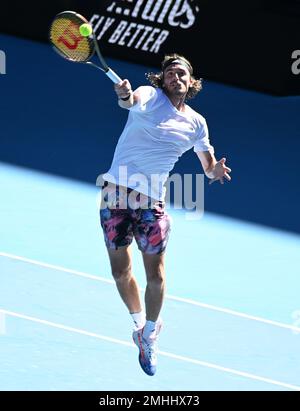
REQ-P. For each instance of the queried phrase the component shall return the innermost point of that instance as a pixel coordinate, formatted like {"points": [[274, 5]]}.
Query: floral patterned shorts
{"points": [[125, 213]]}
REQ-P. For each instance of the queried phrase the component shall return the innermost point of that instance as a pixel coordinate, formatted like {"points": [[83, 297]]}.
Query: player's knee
{"points": [[121, 274], [156, 277]]}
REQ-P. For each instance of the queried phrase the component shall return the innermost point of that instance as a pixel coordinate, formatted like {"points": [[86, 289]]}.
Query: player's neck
{"points": [[177, 101]]}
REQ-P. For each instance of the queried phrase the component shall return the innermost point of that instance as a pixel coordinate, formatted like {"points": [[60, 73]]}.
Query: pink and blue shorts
{"points": [[142, 218]]}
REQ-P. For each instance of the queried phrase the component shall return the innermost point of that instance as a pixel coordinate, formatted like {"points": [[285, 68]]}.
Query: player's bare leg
{"points": [[120, 261], [146, 338], [155, 272]]}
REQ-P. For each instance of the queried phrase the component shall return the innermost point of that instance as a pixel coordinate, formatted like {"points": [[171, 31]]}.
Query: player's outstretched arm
{"points": [[214, 170], [126, 97]]}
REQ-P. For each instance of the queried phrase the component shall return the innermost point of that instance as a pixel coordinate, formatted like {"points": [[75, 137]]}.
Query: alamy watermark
{"points": [[295, 67], [141, 191], [2, 62]]}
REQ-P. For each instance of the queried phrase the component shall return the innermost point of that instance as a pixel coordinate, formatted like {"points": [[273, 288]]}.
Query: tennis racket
{"points": [[71, 45]]}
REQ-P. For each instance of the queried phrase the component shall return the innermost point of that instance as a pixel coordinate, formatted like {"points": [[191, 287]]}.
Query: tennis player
{"points": [[160, 128]]}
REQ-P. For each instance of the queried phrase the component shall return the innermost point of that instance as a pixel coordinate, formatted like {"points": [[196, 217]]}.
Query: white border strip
{"points": [[170, 297], [163, 353]]}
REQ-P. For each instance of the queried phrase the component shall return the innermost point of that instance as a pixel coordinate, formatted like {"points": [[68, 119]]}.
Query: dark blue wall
{"points": [[62, 118]]}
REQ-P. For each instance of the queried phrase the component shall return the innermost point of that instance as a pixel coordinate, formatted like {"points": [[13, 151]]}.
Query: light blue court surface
{"points": [[231, 317], [232, 313]]}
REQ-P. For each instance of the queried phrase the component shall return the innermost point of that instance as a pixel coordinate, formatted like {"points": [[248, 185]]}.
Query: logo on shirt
{"points": [[143, 24]]}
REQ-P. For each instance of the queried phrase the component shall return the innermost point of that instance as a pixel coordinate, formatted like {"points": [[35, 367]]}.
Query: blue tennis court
{"points": [[232, 312], [65, 328]]}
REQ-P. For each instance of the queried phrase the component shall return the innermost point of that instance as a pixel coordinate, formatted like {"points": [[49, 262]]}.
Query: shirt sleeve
{"points": [[147, 97], [202, 142]]}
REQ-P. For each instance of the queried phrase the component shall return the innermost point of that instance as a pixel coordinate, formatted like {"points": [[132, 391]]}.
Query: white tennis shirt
{"points": [[154, 138]]}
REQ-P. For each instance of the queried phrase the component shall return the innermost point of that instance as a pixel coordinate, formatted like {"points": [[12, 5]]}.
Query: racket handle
{"points": [[113, 76]]}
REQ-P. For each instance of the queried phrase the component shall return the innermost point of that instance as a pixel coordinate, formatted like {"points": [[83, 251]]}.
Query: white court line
{"points": [[163, 353], [168, 296]]}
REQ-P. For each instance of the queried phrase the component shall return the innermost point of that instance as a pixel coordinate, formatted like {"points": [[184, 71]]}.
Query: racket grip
{"points": [[113, 76]]}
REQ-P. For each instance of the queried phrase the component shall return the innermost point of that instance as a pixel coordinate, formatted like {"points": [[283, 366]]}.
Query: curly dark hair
{"points": [[157, 79]]}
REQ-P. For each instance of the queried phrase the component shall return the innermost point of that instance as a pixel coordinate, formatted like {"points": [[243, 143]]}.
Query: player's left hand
{"points": [[220, 172]]}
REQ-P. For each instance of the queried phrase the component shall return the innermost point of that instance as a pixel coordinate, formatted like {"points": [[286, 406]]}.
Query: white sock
{"points": [[139, 319], [150, 329]]}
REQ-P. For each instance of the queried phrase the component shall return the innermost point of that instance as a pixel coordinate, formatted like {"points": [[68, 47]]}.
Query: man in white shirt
{"points": [[160, 128]]}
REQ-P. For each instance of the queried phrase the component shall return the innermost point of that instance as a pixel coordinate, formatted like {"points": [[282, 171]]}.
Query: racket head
{"points": [[66, 39]]}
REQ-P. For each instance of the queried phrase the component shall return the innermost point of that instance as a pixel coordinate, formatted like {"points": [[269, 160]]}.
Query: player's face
{"points": [[177, 79]]}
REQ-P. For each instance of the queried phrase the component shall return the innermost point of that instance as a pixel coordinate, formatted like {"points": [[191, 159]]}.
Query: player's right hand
{"points": [[123, 89]]}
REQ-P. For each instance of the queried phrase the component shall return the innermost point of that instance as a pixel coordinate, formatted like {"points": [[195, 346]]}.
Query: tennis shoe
{"points": [[147, 349]]}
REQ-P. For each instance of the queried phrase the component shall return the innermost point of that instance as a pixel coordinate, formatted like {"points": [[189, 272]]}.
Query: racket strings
{"points": [[67, 40]]}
